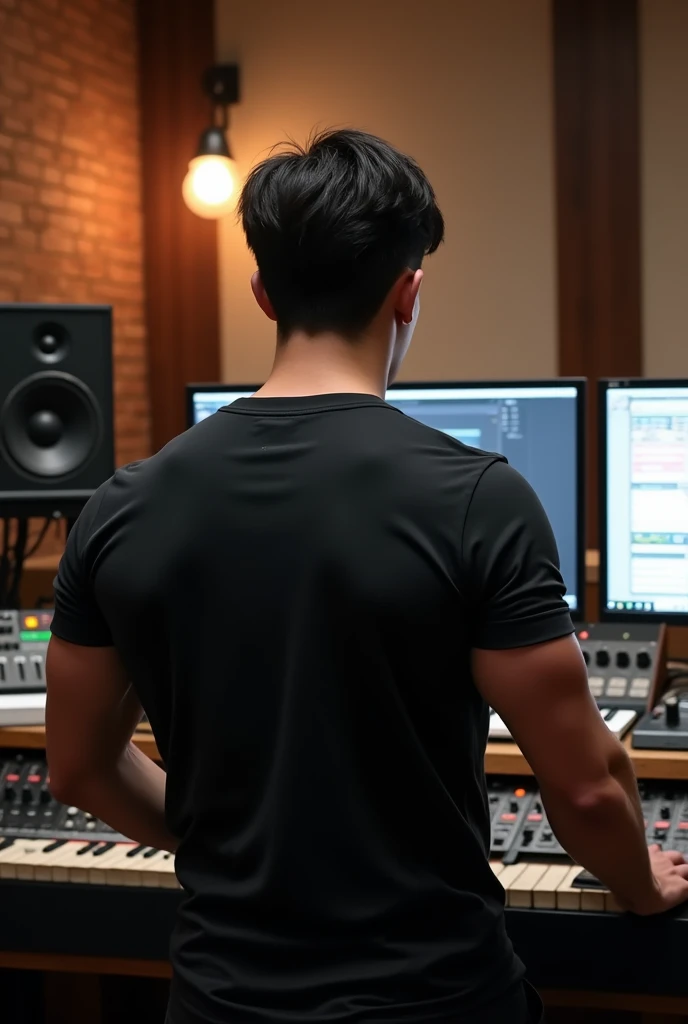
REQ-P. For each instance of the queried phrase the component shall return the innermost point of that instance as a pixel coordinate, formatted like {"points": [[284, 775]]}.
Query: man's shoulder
{"points": [[445, 443]]}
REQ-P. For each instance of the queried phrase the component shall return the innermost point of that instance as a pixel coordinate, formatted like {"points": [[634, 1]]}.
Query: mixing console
{"points": [[24, 637], [27, 808], [524, 834]]}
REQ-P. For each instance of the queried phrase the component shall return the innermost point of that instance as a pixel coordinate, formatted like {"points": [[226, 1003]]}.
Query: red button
{"points": [[508, 817], [33, 778], [662, 824], [534, 817], [12, 778], [683, 825]]}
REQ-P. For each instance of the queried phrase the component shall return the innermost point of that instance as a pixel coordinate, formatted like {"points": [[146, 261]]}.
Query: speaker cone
{"points": [[50, 425]]}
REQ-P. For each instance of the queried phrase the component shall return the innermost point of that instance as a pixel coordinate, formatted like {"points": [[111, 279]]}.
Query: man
{"points": [[314, 598]]}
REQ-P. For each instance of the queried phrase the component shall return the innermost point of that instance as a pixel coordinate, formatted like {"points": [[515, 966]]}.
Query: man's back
{"points": [[294, 587]]}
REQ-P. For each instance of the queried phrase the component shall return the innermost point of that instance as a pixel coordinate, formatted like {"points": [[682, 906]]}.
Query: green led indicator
{"points": [[34, 636]]}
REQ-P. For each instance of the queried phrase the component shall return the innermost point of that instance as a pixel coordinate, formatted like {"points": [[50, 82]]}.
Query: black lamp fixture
{"points": [[209, 188]]}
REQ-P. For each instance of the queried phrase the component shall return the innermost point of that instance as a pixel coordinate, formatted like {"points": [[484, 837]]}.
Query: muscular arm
{"points": [[92, 710], [91, 714], [529, 668], [586, 779]]}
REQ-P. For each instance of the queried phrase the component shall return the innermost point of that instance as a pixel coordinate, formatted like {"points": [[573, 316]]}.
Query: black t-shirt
{"points": [[295, 586]]}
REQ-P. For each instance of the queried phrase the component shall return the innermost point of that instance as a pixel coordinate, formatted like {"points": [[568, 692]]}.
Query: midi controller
{"points": [[626, 669], [24, 637], [520, 830]]}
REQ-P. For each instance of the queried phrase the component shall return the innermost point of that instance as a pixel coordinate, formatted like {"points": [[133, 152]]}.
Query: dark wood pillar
{"points": [[597, 150], [176, 44]]}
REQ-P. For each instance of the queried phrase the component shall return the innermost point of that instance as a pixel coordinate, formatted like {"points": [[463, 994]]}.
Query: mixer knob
{"points": [[513, 806], [27, 795], [44, 795], [643, 659], [72, 811], [586, 657], [602, 657], [665, 811], [623, 659], [673, 712], [10, 792], [528, 834]]}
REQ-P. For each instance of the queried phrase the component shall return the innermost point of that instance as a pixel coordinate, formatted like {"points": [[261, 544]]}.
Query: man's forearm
{"points": [[607, 836], [130, 798]]}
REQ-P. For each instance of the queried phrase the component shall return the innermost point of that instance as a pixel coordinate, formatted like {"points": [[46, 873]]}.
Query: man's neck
{"points": [[326, 364]]}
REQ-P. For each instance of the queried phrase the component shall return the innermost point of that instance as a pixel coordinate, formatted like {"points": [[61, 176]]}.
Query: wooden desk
{"points": [[500, 758], [507, 759]]}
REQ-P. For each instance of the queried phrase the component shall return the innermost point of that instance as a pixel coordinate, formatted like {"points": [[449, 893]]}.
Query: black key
{"points": [[586, 881], [54, 846], [5, 843], [136, 851], [87, 848], [150, 853], [104, 849]]}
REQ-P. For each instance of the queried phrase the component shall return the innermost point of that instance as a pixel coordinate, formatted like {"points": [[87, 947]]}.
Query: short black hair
{"points": [[333, 224]]}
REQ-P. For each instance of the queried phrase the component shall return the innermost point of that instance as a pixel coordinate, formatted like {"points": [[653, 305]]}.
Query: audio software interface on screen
{"points": [[644, 536], [537, 426]]}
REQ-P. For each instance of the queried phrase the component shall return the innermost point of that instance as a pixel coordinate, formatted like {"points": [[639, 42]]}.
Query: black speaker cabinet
{"points": [[56, 429]]}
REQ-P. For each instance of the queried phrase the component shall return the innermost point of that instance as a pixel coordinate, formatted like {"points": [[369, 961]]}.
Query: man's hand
{"points": [[670, 872]]}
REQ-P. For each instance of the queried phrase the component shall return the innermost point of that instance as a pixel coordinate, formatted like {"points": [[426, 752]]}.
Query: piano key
{"points": [[520, 892], [510, 873], [497, 866], [498, 729], [621, 721], [544, 890], [568, 898], [12, 856]]}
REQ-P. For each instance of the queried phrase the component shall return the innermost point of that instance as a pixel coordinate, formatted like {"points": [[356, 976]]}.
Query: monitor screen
{"points": [[539, 427], [204, 399], [644, 500]]}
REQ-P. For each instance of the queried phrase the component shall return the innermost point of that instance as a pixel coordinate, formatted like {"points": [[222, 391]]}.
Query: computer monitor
{"points": [[644, 500], [539, 426], [204, 399]]}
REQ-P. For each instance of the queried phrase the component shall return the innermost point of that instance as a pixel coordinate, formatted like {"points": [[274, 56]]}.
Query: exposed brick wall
{"points": [[70, 213]]}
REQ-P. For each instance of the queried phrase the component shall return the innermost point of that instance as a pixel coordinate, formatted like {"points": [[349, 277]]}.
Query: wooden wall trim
{"points": [[176, 45], [598, 204]]}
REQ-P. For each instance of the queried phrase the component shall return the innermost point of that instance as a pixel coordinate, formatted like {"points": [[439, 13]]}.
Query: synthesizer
{"points": [[626, 669], [24, 637], [520, 831]]}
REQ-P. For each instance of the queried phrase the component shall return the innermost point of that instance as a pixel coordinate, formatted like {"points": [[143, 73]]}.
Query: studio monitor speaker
{"points": [[56, 429]]}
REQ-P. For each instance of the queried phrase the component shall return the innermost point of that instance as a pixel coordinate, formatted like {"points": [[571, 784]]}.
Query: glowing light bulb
{"points": [[209, 186]]}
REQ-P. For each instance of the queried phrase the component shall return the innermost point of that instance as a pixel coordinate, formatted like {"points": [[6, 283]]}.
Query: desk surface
{"points": [[500, 758]]}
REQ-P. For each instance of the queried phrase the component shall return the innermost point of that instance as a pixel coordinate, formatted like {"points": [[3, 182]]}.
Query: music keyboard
{"points": [[617, 720], [86, 863]]}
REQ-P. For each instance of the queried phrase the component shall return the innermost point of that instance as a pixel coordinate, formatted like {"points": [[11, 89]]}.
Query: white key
{"points": [[98, 867], [158, 871], [127, 871], [621, 721], [12, 856], [498, 729], [66, 859]]}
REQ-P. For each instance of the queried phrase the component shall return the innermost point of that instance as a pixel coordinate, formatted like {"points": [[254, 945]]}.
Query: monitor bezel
{"points": [[194, 389], [605, 615], [580, 384]]}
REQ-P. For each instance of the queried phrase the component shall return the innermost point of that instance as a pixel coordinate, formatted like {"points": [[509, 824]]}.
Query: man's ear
{"points": [[406, 298], [261, 296]]}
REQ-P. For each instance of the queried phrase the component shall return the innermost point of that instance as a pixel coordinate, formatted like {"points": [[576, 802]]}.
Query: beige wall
{"points": [[463, 86], [664, 123]]}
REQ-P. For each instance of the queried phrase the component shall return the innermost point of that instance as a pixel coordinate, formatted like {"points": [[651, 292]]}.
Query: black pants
{"points": [[526, 1008]]}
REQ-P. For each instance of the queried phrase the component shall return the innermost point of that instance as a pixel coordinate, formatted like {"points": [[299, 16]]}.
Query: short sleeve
{"points": [[512, 562], [77, 617]]}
